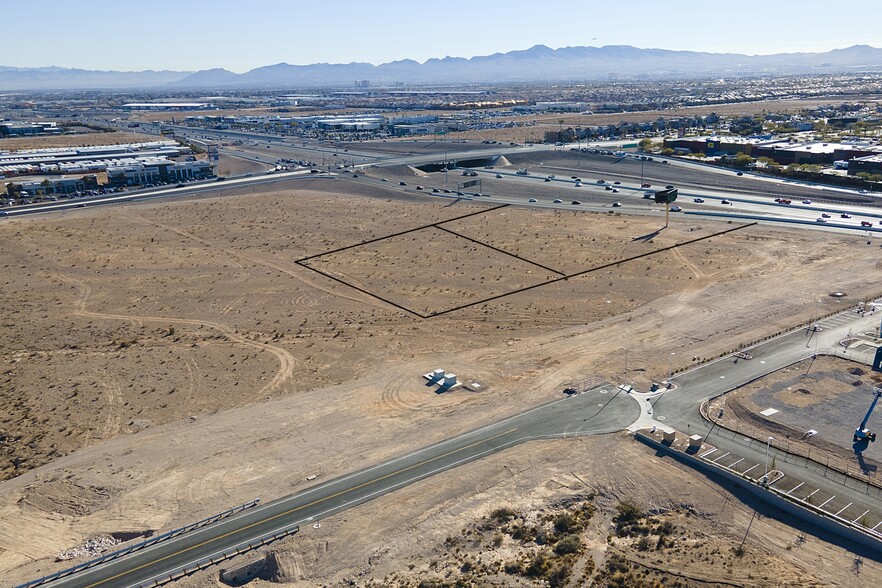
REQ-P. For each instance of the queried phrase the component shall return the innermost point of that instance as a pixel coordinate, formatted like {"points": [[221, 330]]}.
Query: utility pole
{"points": [[765, 478]]}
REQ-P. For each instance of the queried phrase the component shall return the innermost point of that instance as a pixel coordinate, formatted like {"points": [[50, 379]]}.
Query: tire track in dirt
{"points": [[299, 276], [287, 362]]}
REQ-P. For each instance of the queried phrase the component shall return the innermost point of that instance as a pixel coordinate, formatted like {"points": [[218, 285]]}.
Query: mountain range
{"points": [[537, 64]]}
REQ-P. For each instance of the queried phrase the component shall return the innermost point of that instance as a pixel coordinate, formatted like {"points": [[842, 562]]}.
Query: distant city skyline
{"points": [[240, 36]]}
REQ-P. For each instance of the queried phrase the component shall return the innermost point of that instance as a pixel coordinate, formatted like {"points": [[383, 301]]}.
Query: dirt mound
{"points": [[418, 172]]}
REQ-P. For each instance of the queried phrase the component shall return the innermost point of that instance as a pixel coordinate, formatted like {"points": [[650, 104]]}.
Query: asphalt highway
{"points": [[601, 410]]}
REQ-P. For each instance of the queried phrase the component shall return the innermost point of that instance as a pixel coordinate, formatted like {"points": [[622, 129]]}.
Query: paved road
{"points": [[600, 410]]}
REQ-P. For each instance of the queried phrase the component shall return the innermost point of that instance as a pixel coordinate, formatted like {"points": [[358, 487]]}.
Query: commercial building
{"points": [[168, 106], [784, 152], [21, 129], [153, 170], [62, 185], [871, 164]]}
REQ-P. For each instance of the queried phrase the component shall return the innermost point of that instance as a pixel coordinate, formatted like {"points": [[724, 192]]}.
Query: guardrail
{"points": [[138, 546], [215, 558]]}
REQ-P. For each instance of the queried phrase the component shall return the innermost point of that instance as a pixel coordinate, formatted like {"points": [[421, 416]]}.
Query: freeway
{"points": [[600, 410]]}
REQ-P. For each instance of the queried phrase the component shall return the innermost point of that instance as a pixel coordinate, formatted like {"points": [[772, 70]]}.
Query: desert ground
{"points": [[164, 361]]}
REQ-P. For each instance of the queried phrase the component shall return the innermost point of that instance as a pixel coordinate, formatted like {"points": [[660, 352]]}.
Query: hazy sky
{"points": [[237, 35]]}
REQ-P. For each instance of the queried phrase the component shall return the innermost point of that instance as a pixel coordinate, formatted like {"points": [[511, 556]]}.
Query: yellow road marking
{"points": [[287, 512]]}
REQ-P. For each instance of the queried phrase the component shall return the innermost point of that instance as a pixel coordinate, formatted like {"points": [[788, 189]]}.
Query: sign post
{"points": [[666, 196]]}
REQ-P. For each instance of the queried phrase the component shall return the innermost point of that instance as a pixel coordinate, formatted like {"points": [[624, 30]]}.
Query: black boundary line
{"points": [[518, 257], [588, 271], [369, 241], [363, 291]]}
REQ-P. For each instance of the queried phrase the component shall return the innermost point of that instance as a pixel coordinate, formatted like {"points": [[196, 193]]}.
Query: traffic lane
{"points": [[302, 508], [613, 411]]}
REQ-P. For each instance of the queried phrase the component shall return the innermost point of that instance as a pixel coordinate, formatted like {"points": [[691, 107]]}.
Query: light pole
{"points": [[765, 479], [671, 366]]}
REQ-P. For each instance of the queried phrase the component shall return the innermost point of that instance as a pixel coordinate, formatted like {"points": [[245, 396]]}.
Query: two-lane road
{"points": [[601, 410]]}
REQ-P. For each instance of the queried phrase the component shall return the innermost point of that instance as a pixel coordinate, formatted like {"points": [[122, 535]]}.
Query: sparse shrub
{"points": [[503, 515], [564, 522], [568, 544]]}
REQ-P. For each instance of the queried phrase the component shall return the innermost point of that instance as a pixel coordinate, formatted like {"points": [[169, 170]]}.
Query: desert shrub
{"points": [[569, 544]]}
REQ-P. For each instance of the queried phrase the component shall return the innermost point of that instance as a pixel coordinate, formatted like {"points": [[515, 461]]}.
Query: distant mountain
{"points": [[536, 64], [60, 78]]}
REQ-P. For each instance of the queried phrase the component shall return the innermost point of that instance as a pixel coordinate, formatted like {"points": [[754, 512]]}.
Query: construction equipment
{"points": [[862, 433]]}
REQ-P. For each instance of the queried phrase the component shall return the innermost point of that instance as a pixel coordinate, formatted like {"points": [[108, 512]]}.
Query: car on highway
{"points": [[669, 187], [547, 179], [617, 204], [574, 177], [578, 184], [617, 182], [498, 176], [551, 177], [820, 219], [575, 202], [825, 215], [402, 183], [806, 201], [558, 201], [532, 200], [458, 193], [381, 179], [435, 190], [354, 175], [739, 174], [645, 185], [608, 187], [866, 224], [676, 208], [419, 187], [844, 215], [179, 186], [615, 190], [698, 200], [601, 181], [724, 201]]}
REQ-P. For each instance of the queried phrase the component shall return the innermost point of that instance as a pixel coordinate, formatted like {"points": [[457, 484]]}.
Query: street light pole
{"points": [[766, 474]]}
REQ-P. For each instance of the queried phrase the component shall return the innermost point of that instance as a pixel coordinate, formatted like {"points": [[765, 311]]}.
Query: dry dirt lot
{"points": [[163, 361], [83, 140]]}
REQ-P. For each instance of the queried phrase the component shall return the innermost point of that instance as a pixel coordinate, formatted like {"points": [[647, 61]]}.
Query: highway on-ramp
{"points": [[600, 410]]}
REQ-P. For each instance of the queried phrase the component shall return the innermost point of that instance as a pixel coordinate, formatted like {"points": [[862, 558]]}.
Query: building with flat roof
{"points": [[168, 106], [153, 170], [870, 164], [21, 129]]}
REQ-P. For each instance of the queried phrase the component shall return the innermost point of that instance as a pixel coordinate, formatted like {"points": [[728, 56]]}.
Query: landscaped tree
{"points": [[742, 160]]}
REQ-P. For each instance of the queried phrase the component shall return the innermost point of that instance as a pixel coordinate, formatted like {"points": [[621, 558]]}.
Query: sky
{"points": [[189, 35]]}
